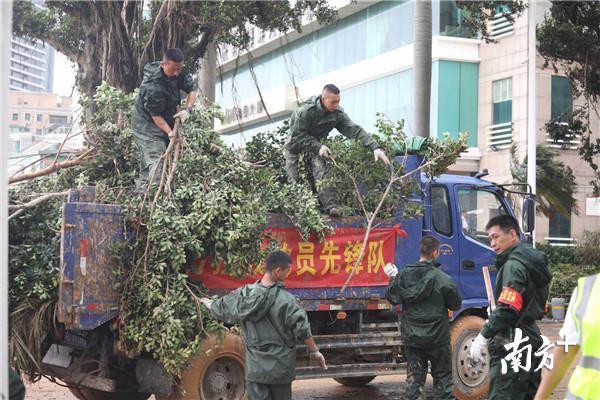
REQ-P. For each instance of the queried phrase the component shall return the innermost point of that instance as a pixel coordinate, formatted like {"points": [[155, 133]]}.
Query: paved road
{"points": [[386, 387]]}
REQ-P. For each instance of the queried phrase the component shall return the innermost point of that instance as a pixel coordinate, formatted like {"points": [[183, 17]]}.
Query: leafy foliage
{"points": [[567, 39], [112, 40], [477, 14]]}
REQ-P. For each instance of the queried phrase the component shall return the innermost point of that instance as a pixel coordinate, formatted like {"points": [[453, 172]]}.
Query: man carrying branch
{"points": [[312, 123], [155, 110]]}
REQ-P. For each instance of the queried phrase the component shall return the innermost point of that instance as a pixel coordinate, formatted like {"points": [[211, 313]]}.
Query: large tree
{"points": [[568, 40], [112, 40]]}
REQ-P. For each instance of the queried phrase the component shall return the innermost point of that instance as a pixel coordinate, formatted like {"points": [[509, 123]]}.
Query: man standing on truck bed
{"points": [[426, 293], [271, 320], [312, 123], [155, 110], [521, 288]]}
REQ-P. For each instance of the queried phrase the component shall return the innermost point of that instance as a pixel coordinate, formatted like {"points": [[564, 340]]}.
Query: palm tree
{"points": [[422, 67], [555, 181]]}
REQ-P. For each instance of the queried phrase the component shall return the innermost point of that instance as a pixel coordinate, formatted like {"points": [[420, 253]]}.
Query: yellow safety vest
{"points": [[586, 314]]}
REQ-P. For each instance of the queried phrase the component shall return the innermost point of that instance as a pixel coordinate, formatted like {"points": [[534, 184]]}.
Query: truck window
{"points": [[477, 207], [440, 210]]}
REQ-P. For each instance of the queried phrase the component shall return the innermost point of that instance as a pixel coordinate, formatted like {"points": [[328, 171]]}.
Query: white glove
{"points": [[390, 270], [380, 155], [325, 152], [206, 301], [182, 115], [478, 350], [319, 358]]}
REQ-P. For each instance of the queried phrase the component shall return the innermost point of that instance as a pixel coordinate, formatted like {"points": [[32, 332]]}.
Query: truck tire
{"points": [[216, 376], [354, 380], [468, 383]]}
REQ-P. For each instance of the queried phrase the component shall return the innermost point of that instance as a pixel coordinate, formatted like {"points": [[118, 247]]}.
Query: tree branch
{"points": [[53, 168], [393, 179], [19, 208]]}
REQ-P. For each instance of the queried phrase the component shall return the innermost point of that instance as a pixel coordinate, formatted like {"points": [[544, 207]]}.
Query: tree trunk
{"points": [[208, 74], [422, 68]]}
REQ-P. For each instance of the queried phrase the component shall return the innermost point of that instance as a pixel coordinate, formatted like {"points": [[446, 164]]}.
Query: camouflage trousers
{"points": [[318, 168], [417, 360], [263, 391], [152, 144]]}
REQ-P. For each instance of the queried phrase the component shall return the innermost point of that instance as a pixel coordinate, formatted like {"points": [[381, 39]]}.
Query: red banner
{"points": [[318, 265]]}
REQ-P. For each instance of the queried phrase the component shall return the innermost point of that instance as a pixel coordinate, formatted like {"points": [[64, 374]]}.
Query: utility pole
{"points": [[422, 67], [5, 35], [531, 101]]}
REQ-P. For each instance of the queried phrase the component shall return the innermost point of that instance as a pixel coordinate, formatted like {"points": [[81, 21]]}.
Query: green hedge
{"points": [[564, 278]]}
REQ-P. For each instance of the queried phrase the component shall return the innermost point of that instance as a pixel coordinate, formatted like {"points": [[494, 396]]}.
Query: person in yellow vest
{"points": [[581, 330]]}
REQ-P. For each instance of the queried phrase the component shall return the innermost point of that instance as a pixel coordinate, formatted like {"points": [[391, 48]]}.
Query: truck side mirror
{"points": [[529, 215]]}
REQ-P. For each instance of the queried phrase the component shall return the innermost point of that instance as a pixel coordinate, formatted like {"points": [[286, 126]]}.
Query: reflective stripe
{"points": [[590, 362], [583, 301]]}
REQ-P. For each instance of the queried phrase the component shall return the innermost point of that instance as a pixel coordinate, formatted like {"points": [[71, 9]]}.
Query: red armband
{"points": [[512, 298]]}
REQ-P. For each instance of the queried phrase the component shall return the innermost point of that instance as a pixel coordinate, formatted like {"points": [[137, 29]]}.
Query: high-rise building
{"points": [[31, 66]]}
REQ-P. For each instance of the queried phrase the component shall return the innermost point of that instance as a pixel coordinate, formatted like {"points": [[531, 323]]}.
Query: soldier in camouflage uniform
{"points": [[272, 321], [155, 110], [522, 285], [426, 293], [312, 123]]}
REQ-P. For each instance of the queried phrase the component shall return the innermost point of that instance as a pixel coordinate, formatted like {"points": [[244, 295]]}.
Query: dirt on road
{"points": [[384, 387]]}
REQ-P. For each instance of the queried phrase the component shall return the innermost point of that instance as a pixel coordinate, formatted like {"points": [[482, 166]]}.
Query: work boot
{"points": [[334, 212]]}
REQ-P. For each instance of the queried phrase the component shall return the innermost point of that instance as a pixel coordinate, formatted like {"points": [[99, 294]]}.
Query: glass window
{"points": [[451, 20], [502, 101], [477, 207], [58, 119], [559, 224], [27, 117], [40, 117], [15, 116], [562, 98], [440, 210], [38, 132]]}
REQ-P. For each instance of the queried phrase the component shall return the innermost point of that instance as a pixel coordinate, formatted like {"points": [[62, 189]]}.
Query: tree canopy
{"points": [[568, 40], [111, 41]]}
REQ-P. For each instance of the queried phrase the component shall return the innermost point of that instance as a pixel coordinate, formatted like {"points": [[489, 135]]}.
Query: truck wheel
{"points": [[469, 384], [217, 376], [354, 380]]}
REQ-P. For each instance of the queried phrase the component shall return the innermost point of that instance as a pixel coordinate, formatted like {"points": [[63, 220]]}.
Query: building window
{"points": [[40, 117], [562, 99], [59, 119], [27, 117], [15, 116], [38, 132], [559, 225], [502, 101], [440, 210]]}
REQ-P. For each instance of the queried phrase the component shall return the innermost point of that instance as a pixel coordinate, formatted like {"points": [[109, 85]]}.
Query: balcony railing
{"points": [[561, 241], [571, 141], [500, 136], [500, 26]]}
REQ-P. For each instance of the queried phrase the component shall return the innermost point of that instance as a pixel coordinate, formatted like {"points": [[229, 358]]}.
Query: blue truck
{"points": [[357, 330]]}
